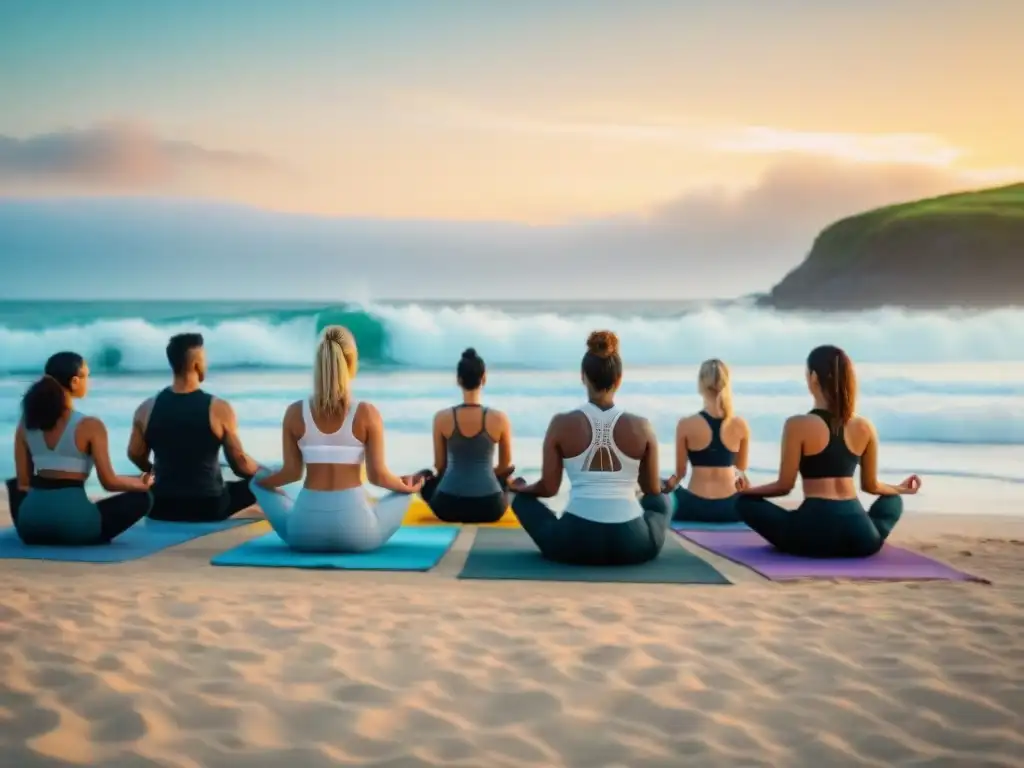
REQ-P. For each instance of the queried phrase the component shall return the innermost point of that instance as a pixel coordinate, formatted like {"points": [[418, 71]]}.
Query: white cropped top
{"points": [[339, 447]]}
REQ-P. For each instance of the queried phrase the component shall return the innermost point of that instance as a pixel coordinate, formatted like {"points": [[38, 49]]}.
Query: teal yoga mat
{"points": [[410, 549], [512, 555], [142, 539]]}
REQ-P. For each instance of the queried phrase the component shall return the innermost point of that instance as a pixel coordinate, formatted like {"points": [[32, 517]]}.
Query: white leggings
{"points": [[332, 521]]}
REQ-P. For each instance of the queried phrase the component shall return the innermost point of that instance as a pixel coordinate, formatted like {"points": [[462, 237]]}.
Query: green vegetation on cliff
{"points": [[964, 249]]}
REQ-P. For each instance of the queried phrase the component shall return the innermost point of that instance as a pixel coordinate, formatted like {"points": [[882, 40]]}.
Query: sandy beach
{"points": [[167, 661]]}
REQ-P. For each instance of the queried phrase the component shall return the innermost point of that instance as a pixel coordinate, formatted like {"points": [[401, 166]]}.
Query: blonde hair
{"points": [[714, 378], [337, 361]]}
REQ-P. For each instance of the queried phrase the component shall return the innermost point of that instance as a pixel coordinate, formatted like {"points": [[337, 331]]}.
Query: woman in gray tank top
{"points": [[56, 448], [465, 485]]}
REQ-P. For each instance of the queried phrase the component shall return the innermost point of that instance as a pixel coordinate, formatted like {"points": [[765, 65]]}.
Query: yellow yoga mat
{"points": [[419, 514]]}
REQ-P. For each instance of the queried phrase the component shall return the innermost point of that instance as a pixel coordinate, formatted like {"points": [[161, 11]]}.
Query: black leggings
{"points": [[235, 497], [693, 508], [823, 527], [462, 509], [576, 540], [118, 512]]}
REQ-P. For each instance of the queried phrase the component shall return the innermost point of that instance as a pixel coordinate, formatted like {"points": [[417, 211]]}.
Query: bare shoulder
{"points": [[639, 424], [497, 417], [144, 409], [443, 417], [294, 411], [221, 408], [798, 424], [861, 427], [367, 411], [91, 425]]}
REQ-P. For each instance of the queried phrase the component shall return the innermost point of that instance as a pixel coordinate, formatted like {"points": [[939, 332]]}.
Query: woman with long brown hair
{"points": [[824, 447], [332, 434]]}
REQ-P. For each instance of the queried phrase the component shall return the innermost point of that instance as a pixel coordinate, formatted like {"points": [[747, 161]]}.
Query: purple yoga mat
{"points": [[891, 564]]}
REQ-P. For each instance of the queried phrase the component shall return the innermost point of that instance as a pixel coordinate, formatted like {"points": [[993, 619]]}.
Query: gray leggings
{"points": [[332, 521]]}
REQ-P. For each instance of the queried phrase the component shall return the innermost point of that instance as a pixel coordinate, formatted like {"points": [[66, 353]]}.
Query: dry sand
{"points": [[167, 661]]}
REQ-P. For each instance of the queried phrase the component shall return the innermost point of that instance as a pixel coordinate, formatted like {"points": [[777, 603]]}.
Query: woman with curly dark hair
{"points": [[606, 452]]}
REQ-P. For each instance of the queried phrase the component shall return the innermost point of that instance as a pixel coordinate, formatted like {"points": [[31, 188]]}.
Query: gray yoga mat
{"points": [[512, 555]]}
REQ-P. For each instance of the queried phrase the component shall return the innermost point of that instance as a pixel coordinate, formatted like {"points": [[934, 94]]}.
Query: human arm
{"points": [[869, 481], [99, 448], [24, 468], [505, 466], [789, 464], [742, 461], [682, 459], [551, 466], [440, 446], [291, 468], [377, 471], [241, 463], [138, 448], [649, 477]]}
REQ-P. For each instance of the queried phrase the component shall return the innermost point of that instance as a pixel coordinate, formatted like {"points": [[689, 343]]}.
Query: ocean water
{"points": [[945, 390]]}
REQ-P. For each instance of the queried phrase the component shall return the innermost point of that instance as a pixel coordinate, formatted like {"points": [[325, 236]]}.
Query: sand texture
{"points": [[167, 661]]}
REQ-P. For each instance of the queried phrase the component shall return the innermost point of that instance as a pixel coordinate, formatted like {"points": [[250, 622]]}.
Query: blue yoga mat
{"points": [[410, 549], [690, 525], [512, 555], [144, 538]]}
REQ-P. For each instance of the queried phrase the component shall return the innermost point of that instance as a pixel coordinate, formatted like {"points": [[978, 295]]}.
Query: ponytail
{"points": [[837, 381], [714, 378], [337, 360], [46, 401]]}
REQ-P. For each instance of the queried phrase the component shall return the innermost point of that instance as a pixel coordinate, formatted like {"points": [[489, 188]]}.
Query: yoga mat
{"points": [[512, 555], [410, 549], [891, 564], [144, 538], [420, 514], [693, 525]]}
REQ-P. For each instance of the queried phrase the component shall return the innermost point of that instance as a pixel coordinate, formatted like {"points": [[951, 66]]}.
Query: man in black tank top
{"points": [[185, 428]]}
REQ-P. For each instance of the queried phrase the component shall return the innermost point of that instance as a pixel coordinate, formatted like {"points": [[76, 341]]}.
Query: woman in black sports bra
{"points": [[824, 447], [721, 458]]}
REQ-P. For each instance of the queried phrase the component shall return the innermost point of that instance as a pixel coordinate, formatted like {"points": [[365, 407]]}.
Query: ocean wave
{"points": [[432, 337]]}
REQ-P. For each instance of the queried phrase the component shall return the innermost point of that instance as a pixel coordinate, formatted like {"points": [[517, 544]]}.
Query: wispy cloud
{"points": [[118, 154], [916, 148], [705, 135]]}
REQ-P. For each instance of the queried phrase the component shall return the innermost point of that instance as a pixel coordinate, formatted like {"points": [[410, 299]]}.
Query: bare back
{"points": [[694, 434], [813, 435], [328, 477]]}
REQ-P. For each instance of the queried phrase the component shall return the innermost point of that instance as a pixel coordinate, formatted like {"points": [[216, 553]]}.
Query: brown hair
{"points": [[837, 380], [602, 365], [714, 379]]}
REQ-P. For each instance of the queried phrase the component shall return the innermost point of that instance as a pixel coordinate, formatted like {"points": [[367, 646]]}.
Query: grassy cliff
{"points": [[965, 249]]}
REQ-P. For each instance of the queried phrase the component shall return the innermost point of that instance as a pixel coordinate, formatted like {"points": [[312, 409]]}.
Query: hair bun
{"points": [[469, 354], [603, 343]]}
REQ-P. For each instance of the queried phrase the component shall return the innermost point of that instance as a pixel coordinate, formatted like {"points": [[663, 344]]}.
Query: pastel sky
{"points": [[534, 111]]}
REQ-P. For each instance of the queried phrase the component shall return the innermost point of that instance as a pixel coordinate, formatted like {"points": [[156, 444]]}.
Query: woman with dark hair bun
{"points": [[465, 485], [606, 453], [55, 449], [824, 447]]}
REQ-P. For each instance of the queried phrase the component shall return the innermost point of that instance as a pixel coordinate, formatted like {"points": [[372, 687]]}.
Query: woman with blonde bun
{"points": [[332, 434], [715, 442], [606, 454]]}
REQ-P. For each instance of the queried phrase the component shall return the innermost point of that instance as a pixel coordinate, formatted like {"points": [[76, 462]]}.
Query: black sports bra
{"points": [[716, 454], [837, 460]]}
